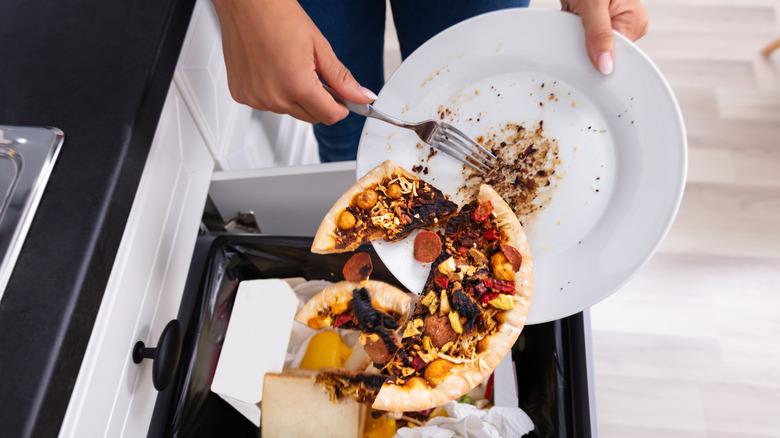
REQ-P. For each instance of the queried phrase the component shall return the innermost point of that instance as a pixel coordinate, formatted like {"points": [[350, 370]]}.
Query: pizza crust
{"points": [[324, 243], [416, 394], [383, 297]]}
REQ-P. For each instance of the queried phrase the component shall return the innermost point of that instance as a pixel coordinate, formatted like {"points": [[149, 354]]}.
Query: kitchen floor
{"points": [[691, 346]]}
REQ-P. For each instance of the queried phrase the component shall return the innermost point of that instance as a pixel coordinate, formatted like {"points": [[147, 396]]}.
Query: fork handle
{"points": [[364, 110]]}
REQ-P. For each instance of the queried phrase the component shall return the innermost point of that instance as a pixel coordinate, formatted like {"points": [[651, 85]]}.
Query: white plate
{"points": [[622, 145]]}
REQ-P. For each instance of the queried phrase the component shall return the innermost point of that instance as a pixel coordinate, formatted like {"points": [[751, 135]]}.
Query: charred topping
{"points": [[362, 387], [422, 210], [372, 320], [369, 318], [466, 307], [464, 304]]}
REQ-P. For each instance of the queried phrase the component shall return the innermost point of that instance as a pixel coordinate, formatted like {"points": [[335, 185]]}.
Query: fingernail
{"points": [[368, 93], [605, 63]]}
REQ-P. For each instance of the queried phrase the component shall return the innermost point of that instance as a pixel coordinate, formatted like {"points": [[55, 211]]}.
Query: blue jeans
{"points": [[356, 31]]}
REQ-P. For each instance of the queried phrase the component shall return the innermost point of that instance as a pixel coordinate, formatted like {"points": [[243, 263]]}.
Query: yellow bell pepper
{"points": [[503, 302], [382, 427], [325, 349]]}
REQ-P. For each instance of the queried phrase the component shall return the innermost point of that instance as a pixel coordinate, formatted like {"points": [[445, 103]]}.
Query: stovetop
{"points": [[27, 156]]}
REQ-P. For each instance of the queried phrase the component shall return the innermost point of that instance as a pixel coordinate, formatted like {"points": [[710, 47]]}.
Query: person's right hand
{"points": [[273, 54]]}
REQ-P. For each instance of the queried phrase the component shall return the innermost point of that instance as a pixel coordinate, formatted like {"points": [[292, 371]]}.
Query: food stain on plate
{"points": [[527, 168]]}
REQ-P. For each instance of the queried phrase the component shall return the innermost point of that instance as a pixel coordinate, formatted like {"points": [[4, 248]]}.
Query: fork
{"points": [[439, 135]]}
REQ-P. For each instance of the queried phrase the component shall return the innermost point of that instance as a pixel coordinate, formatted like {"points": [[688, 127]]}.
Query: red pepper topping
{"points": [[480, 288], [482, 212], [463, 250], [492, 234], [418, 363], [502, 285], [442, 282], [485, 298], [341, 320]]}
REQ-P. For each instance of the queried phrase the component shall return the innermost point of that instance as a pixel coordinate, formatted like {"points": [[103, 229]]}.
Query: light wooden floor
{"points": [[691, 346]]}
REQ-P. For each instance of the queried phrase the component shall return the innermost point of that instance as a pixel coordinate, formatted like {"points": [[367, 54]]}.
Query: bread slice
{"points": [[294, 406]]}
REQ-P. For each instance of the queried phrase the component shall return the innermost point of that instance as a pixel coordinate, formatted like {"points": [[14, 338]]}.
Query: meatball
{"points": [[377, 351], [439, 330]]}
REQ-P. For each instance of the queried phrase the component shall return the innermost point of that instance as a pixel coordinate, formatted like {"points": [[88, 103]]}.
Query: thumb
{"points": [[598, 36], [335, 74]]}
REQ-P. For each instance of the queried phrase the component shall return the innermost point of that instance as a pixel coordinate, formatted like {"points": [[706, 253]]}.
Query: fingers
{"points": [[599, 18], [273, 56], [598, 34], [629, 19], [302, 100], [319, 104], [335, 74]]}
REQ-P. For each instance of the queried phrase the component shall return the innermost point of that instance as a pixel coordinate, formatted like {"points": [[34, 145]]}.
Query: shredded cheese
{"points": [[461, 360]]}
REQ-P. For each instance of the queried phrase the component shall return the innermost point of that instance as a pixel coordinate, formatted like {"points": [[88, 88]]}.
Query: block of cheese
{"points": [[294, 406], [255, 343]]}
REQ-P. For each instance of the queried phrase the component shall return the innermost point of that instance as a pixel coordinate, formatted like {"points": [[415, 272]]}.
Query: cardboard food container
{"points": [[255, 343]]}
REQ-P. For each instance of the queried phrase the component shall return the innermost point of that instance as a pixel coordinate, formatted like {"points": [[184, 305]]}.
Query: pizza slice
{"points": [[388, 202], [374, 308]]}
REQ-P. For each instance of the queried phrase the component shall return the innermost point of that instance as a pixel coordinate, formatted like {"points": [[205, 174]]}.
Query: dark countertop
{"points": [[98, 70]]}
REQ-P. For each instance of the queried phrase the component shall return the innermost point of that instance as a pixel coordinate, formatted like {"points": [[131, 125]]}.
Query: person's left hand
{"points": [[599, 18]]}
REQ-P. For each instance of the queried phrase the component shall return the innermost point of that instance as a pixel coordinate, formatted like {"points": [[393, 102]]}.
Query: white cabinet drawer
{"points": [[113, 396]]}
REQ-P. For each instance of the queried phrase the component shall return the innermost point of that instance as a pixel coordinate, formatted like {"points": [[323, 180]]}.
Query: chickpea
{"points": [[366, 199], [502, 268], [438, 370], [345, 220], [394, 191]]}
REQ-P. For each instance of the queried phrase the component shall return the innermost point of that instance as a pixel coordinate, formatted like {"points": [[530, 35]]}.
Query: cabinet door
{"points": [[113, 396]]}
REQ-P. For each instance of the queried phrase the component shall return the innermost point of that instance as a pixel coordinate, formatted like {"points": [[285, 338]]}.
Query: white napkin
{"points": [[466, 421]]}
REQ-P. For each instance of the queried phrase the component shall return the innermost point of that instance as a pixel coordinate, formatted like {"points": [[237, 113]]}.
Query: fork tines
{"points": [[458, 145]]}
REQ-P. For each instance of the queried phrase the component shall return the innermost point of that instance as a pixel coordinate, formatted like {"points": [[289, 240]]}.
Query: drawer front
{"points": [[113, 396], [286, 201]]}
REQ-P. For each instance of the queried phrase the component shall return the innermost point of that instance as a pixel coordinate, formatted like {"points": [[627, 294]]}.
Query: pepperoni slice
{"points": [[513, 255], [358, 267], [427, 246]]}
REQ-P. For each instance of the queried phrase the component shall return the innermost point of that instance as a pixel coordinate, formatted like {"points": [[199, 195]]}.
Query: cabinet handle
{"points": [[165, 356]]}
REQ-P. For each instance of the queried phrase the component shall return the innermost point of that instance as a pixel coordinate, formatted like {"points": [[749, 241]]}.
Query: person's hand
{"points": [[273, 54], [599, 18]]}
